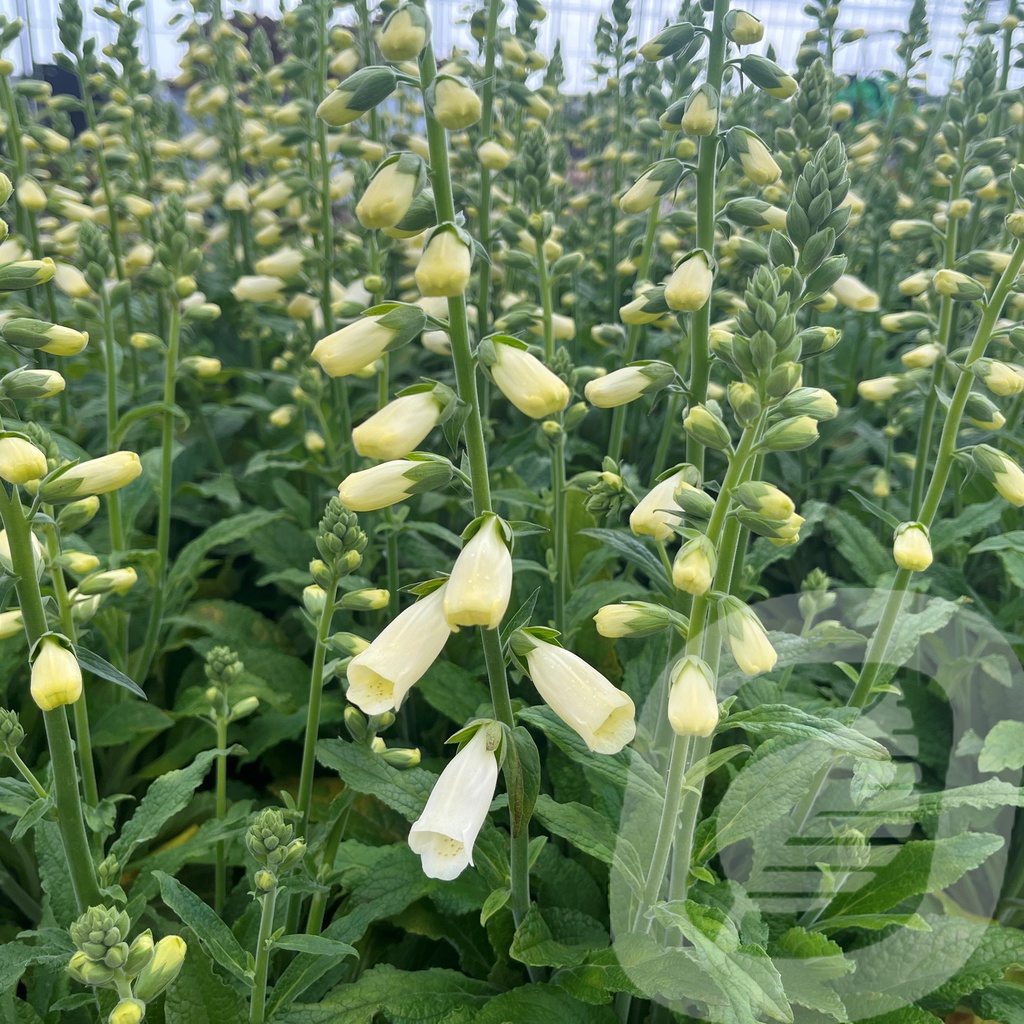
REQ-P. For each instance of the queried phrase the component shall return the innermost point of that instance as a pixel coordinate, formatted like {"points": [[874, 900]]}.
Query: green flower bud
{"points": [[94, 476], [792, 434], [24, 332], [127, 1011], [957, 286], [162, 969], [26, 274], [911, 548], [359, 93], [706, 427], [814, 402], [632, 619], [11, 731], [1006, 476], [668, 42], [743, 28]]}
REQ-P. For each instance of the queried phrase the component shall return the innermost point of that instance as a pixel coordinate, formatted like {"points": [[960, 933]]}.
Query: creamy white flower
{"points": [[855, 295], [480, 585], [379, 486], [527, 383], [692, 708], [603, 716], [911, 547], [381, 675], [398, 428], [444, 834], [748, 641], [653, 515], [349, 349]]}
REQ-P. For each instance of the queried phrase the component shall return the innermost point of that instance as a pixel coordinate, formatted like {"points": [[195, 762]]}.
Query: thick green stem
{"points": [[483, 298], [707, 180], [476, 448], [943, 338], [318, 905], [83, 738], [635, 331], [220, 878], [316, 694], [163, 535], [70, 819], [257, 1008], [339, 387], [117, 541]]}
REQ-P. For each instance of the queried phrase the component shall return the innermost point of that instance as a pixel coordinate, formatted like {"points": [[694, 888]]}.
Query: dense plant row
{"points": [[656, 448]]}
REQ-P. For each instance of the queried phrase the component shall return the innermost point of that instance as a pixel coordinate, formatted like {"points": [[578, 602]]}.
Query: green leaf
{"points": [[188, 563], [98, 666], [916, 867], [557, 937], [783, 720], [635, 552], [911, 627], [1009, 549], [453, 691], [744, 973], [542, 1004], [140, 413], [859, 546], [873, 922], [626, 768], [127, 720], [35, 813], [164, 798], [214, 935], [317, 945], [496, 899], [585, 828], [394, 881], [14, 958], [522, 778], [402, 791], [1003, 748], [771, 782], [1003, 1001], [399, 997], [876, 510], [808, 963], [16, 796], [53, 873], [198, 996], [956, 957]]}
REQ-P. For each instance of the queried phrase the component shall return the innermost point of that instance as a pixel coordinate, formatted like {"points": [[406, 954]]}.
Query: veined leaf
{"points": [[781, 719], [214, 935]]}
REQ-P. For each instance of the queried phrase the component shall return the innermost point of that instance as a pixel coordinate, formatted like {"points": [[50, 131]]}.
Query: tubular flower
{"points": [[381, 675], [603, 716], [444, 834]]}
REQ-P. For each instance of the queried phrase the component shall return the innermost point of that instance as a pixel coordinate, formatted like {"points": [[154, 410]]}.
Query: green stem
{"points": [[163, 537], [70, 819], [635, 331], [339, 387], [316, 694], [483, 300], [476, 448], [117, 542], [707, 178], [318, 905], [943, 337], [27, 774], [561, 529], [83, 738], [220, 878], [257, 1008]]}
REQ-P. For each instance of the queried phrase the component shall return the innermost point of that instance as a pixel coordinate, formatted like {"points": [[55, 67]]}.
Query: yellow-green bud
{"points": [[20, 460], [743, 28], [911, 547], [790, 435], [56, 679], [95, 476], [692, 707], [405, 33], [162, 969], [706, 427]]}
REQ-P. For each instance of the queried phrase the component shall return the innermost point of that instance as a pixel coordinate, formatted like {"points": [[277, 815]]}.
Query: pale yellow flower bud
{"points": [[911, 547], [20, 461], [692, 708], [56, 676], [445, 266]]}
